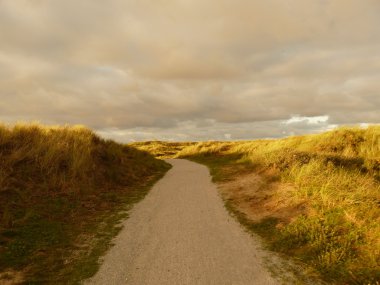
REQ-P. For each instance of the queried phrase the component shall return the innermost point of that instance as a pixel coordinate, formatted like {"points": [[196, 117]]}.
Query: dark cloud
{"points": [[188, 70]]}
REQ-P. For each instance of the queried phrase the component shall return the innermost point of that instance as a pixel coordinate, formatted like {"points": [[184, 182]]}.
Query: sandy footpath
{"points": [[182, 234]]}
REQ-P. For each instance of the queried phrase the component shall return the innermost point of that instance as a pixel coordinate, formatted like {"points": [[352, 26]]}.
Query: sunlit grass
{"points": [[336, 174], [162, 149]]}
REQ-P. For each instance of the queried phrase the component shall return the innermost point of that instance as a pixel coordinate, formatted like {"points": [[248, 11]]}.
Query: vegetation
{"points": [[315, 198], [62, 190], [335, 177], [162, 149]]}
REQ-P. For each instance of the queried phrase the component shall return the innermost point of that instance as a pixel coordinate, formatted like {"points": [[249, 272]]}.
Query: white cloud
{"points": [[309, 120]]}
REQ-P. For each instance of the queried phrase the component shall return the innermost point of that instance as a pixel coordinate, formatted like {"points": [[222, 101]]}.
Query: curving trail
{"points": [[182, 234]]}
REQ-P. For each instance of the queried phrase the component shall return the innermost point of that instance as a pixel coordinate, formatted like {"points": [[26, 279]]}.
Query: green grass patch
{"points": [[87, 263]]}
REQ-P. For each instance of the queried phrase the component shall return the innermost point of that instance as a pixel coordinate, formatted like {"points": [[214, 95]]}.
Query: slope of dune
{"points": [[58, 185]]}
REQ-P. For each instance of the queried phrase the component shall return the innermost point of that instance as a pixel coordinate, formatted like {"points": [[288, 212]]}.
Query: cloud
{"points": [[308, 120], [212, 130], [190, 69]]}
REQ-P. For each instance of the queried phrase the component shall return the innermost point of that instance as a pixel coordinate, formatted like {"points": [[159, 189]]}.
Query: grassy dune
{"points": [[320, 195], [162, 149], [61, 193], [315, 198]]}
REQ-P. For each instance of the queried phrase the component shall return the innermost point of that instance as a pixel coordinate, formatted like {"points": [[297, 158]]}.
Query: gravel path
{"points": [[182, 234]]}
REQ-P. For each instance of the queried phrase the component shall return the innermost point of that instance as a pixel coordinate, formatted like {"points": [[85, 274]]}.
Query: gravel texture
{"points": [[182, 234]]}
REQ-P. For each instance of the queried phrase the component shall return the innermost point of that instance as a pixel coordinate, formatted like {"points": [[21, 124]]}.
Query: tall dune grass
{"points": [[54, 183], [337, 175]]}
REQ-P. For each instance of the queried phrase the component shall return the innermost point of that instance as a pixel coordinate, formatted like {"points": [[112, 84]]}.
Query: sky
{"points": [[180, 70]]}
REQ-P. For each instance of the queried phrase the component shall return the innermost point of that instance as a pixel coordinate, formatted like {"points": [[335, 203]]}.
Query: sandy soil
{"points": [[182, 234]]}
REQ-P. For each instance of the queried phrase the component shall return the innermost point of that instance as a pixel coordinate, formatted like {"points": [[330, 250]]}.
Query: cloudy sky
{"points": [[191, 69]]}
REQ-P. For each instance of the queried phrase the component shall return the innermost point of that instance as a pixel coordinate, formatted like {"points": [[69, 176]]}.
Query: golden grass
{"points": [[334, 175], [161, 149], [55, 184]]}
